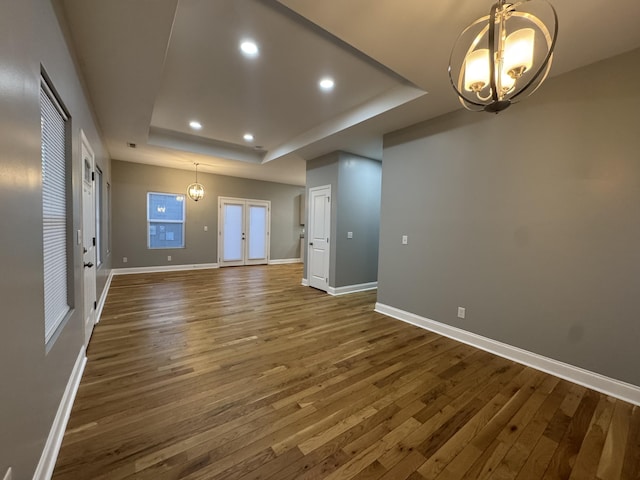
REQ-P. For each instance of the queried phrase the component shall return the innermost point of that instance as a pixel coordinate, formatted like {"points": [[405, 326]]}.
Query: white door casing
{"points": [[243, 231], [88, 236], [319, 229]]}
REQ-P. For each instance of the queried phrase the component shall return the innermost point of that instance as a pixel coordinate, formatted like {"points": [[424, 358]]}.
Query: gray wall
{"points": [[359, 189], [132, 181], [355, 207], [529, 219], [33, 377]]}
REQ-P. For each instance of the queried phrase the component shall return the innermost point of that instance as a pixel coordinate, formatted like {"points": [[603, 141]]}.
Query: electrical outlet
{"points": [[405, 239], [8, 475], [169, 257], [349, 234], [461, 312], [206, 228], [125, 259]]}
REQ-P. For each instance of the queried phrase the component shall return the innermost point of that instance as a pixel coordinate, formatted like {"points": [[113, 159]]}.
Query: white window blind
{"points": [[54, 210]]}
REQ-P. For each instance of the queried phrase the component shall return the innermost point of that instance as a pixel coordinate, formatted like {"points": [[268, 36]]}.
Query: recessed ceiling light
{"points": [[249, 48], [195, 125], [248, 137], [326, 83]]}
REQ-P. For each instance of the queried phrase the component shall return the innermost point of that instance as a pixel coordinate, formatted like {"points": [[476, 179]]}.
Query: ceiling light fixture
{"points": [[249, 48], [196, 190], [195, 125], [504, 54], [326, 83], [248, 137]]}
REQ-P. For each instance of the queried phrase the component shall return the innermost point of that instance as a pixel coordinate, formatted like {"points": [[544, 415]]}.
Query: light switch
{"points": [[206, 228], [405, 239], [349, 234]]}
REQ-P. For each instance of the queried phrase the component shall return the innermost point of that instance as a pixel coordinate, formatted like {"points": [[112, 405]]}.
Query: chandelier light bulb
{"points": [[518, 52], [476, 74]]}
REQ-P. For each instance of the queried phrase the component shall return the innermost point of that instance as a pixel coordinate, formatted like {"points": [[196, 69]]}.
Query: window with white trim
{"points": [[165, 220], [54, 124]]}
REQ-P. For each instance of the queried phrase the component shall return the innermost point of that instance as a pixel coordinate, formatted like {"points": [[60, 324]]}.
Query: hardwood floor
{"points": [[241, 373]]}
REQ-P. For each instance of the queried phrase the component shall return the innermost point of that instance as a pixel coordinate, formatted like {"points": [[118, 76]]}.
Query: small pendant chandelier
{"points": [[196, 190], [504, 55]]}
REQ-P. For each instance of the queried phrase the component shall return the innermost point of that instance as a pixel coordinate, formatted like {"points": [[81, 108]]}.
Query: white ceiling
{"points": [[151, 66]]}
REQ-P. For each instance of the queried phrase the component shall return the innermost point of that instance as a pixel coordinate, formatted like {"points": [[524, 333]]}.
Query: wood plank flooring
{"points": [[241, 373]]}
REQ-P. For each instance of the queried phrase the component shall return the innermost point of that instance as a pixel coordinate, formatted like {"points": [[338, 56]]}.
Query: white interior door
{"points": [[318, 231], [243, 231], [88, 237]]}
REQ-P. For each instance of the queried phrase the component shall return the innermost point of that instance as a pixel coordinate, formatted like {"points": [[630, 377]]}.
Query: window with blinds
{"points": [[53, 122]]}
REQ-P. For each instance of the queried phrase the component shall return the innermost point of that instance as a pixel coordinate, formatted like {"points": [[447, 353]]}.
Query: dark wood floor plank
{"points": [[616, 443], [631, 466]]}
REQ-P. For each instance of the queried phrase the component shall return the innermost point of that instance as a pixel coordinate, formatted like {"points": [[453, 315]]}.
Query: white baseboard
{"points": [[103, 296], [47, 462], [595, 381], [360, 287], [282, 261], [305, 282], [163, 268]]}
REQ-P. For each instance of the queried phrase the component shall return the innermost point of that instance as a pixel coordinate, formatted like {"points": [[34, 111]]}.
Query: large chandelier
{"points": [[504, 55], [196, 190]]}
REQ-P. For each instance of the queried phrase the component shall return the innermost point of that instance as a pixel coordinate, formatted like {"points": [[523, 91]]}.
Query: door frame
{"points": [[310, 236], [89, 258], [246, 203]]}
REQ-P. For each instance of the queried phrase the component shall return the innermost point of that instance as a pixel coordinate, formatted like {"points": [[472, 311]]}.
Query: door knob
{"points": [[88, 265]]}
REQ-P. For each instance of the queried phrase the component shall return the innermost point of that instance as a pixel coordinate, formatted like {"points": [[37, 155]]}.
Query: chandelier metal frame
{"points": [[494, 30]]}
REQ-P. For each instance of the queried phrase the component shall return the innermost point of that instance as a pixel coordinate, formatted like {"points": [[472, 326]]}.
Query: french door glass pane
{"points": [[232, 233], [257, 232]]}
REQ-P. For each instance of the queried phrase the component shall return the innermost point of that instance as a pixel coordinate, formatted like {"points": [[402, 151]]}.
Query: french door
{"points": [[243, 231]]}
